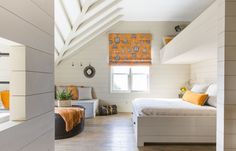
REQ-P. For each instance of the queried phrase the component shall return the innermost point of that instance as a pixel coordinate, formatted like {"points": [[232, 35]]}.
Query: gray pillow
{"points": [[85, 93]]}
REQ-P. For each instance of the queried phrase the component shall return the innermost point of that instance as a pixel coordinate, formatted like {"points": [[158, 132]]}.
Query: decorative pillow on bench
{"points": [[85, 93], [74, 92], [5, 97]]}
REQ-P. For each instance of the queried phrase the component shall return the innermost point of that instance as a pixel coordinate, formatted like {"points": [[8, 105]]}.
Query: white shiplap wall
{"points": [[4, 69], [30, 23], [204, 72], [165, 80], [226, 103]]}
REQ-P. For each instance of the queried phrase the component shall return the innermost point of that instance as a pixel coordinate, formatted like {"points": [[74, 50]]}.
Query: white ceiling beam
{"points": [[97, 26], [82, 18], [59, 32], [80, 6], [95, 21], [55, 59], [65, 12], [88, 4], [57, 52], [100, 7], [108, 9], [78, 21], [91, 37]]}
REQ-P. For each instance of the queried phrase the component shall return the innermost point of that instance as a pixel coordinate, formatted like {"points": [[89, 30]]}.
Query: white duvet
{"points": [[170, 107]]}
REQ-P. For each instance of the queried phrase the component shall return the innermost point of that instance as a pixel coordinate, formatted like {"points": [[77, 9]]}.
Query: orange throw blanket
{"points": [[71, 115]]}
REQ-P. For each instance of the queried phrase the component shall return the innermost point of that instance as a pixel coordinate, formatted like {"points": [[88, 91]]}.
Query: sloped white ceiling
{"points": [[79, 21], [163, 10]]}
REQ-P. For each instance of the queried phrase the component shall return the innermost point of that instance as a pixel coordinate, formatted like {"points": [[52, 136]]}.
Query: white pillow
{"points": [[212, 93], [85, 93], [199, 88]]}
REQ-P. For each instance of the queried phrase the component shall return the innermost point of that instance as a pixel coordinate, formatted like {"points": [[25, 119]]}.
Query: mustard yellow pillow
{"points": [[195, 98], [74, 92], [5, 96]]}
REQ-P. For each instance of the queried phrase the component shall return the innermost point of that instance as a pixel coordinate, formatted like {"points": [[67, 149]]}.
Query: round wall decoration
{"points": [[89, 71]]}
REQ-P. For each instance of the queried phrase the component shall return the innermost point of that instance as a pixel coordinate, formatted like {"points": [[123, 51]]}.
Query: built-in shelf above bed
{"points": [[197, 42]]}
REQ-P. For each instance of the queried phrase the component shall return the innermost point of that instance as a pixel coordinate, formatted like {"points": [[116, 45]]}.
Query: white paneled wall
{"points": [[30, 23], [204, 72], [226, 113], [165, 80], [4, 69]]}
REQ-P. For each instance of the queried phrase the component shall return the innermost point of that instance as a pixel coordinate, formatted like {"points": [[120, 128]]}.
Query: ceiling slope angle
{"points": [[79, 21], [163, 10]]}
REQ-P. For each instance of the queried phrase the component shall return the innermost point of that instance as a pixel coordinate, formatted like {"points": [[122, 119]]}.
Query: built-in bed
{"points": [[173, 121]]}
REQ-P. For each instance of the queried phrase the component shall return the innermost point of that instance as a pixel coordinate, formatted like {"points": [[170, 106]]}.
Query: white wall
{"points": [[204, 72], [226, 102], [4, 69], [165, 80], [30, 23]]}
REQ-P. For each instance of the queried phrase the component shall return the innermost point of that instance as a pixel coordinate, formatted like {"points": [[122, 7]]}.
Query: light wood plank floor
{"points": [[115, 133]]}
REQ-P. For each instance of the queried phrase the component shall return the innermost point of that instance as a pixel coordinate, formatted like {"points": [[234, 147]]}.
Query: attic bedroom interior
{"points": [[118, 75]]}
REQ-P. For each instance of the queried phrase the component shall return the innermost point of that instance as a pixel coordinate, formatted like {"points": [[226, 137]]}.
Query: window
{"points": [[129, 79]]}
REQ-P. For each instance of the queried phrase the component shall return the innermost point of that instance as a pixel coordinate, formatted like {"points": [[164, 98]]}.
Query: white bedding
{"points": [[170, 107]]}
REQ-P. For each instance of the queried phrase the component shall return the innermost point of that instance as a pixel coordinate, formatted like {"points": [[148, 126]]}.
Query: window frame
{"points": [[130, 81]]}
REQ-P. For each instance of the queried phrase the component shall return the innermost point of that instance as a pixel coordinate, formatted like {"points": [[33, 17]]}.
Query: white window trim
{"points": [[130, 80]]}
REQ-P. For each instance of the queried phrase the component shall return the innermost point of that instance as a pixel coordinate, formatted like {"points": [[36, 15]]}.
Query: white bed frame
{"points": [[174, 129]]}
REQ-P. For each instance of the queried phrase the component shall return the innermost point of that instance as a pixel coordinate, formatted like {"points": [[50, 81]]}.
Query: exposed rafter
{"points": [[57, 52], [87, 5], [95, 20], [97, 26], [80, 6], [94, 15], [84, 17], [59, 32], [91, 37], [66, 14]]}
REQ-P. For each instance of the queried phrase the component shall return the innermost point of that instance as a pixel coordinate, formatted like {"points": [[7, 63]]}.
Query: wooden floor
{"points": [[115, 133]]}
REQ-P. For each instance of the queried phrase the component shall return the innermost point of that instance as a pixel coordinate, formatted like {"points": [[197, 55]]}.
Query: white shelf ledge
{"points": [[197, 42]]}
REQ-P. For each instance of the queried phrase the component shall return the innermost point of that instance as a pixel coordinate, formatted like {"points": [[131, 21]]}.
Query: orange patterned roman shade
{"points": [[130, 49]]}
